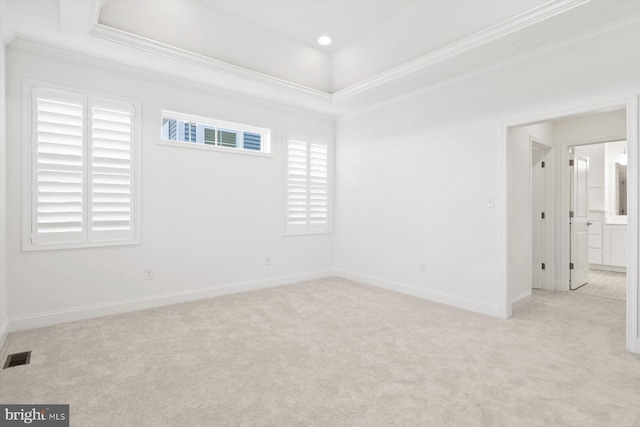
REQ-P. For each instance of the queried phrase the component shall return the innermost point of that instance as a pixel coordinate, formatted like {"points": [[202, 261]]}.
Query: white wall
{"points": [[599, 127], [209, 219], [3, 176], [414, 176], [519, 209]]}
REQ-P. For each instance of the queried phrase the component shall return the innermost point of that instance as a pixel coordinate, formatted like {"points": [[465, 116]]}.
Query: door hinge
{"points": [[570, 266], [542, 164], [570, 214], [571, 162], [542, 215], [543, 266]]}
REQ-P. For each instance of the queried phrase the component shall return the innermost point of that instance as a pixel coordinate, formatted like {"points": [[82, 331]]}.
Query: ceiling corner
{"points": [[79, 17]]}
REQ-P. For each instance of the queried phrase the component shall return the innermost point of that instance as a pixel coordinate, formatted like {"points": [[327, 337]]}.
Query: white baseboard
{"points": [[38, 320], [4, 332], [428, 294], [608, 268], [521, 300]]}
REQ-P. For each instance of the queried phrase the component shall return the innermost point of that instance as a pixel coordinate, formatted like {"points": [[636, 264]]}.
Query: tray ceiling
{"points": [[382, 49]]}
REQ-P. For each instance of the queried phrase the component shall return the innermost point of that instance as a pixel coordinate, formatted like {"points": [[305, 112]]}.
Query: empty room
{"points": [[319, 213]]}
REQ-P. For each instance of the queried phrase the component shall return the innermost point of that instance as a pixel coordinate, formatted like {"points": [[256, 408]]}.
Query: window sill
{"points": [[305, 233], [207, 147], [36, 247]]}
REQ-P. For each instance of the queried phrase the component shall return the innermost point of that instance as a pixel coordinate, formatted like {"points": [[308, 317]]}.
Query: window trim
{"points": [[28, 88], [218, 125], [310, 139]]}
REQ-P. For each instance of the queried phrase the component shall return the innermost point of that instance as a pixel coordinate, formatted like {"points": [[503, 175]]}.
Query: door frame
{"points": [[633, 192], [548, 273]]}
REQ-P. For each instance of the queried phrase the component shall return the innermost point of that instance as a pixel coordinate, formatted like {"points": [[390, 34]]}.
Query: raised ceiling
{"points": [[278, 38], [382, 49], [304, 21]]}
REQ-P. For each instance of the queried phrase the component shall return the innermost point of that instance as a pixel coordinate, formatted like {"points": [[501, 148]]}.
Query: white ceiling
{"points": [[303, 21], [278, 38], [267, 48]]}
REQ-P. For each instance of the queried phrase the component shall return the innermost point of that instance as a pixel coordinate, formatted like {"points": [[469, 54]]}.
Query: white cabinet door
{"points": [[614, 245], [595, 233]]}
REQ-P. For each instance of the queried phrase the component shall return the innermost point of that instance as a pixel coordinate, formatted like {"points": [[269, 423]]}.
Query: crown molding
{"points": [[297, 106], [613, 29], [420, 64], [162, 49], [483, 37], [351, 101], [541, 13]]}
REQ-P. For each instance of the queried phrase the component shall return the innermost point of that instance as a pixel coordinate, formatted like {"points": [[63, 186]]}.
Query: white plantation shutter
{"points": [[307, 186], [318, 187], [82, 168], [297, 186], [111, 168], [58, 174]]}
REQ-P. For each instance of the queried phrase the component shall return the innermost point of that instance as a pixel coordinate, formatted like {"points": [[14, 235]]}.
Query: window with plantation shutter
{"points": [[307, 185], [58, 189], [111, 168], [82, 171], [318, 187], [298, 186]]}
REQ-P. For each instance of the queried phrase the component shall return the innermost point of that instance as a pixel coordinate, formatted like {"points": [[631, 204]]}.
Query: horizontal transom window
{"points": [[213, 133]]}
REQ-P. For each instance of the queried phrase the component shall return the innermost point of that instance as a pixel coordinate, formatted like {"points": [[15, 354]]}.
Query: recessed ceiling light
{"points": [[324, 40]]}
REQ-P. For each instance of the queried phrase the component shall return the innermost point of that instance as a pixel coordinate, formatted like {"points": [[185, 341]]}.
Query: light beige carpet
{"points": [[607, 284], [335, 353]]}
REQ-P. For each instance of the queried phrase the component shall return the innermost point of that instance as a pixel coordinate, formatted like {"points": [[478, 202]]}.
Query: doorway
{"points": [[522, 241], [598, 219]]}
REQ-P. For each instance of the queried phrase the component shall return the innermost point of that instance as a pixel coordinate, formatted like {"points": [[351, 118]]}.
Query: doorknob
{"points": [[589, 223]]}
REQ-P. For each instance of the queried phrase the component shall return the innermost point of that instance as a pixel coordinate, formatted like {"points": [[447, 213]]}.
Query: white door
{"points": [[537, 203], [579, 262]]}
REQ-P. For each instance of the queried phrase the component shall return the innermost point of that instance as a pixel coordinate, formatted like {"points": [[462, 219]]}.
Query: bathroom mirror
{"points": [[621, 189]]}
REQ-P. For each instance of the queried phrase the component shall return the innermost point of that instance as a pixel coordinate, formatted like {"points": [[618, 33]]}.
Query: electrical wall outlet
{"points": [[148, 275], [267, 261], [490, 203]]}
